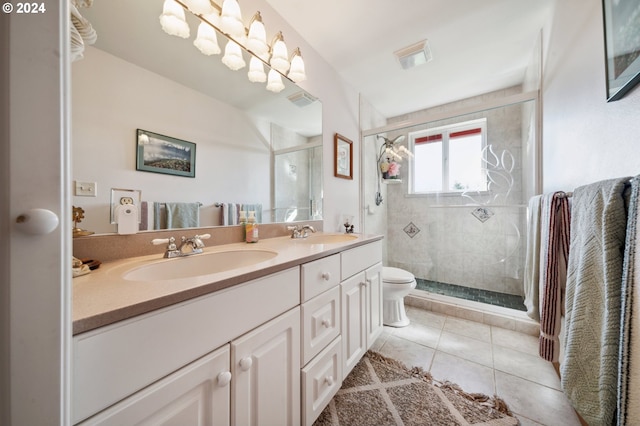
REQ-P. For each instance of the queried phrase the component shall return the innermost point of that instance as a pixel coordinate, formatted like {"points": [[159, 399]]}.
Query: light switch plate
{"points": [[86, 189]]}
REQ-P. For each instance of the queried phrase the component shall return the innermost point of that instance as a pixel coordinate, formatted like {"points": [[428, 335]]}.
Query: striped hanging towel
{"points": [[554, 254]]}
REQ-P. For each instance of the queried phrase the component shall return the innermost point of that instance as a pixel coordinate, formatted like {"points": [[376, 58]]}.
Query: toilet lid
{"points": [[396, 275]]}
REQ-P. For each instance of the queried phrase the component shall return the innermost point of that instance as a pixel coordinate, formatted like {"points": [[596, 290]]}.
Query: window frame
{"points": [[445, 131]]}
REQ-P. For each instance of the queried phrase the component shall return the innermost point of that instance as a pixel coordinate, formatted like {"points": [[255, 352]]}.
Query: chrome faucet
{"points": [[300, 231], [195, 243]]}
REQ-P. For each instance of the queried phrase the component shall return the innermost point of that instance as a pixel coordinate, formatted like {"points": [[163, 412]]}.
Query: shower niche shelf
{"points": [[391, 181]]}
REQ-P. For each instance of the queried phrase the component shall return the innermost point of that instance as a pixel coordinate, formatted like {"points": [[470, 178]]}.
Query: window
{"points": [[449, 158]]}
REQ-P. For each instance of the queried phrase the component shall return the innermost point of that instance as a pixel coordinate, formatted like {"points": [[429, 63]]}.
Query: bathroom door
{"points": [[36, 284]]}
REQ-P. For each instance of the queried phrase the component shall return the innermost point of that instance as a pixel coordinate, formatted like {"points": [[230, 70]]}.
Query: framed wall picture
{"points": [[163, 154], [343, 160], [622, 46]]}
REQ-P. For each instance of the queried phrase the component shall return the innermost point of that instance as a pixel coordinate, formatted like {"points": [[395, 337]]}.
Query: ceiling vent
{"points": [[302, 99], [414, 55]]}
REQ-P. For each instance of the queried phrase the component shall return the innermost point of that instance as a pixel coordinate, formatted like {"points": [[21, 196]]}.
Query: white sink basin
{"points": [[198, 264], [327, 238]]}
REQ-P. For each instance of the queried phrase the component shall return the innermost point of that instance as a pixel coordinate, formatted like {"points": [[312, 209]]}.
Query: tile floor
{"points": [[482, 358]]}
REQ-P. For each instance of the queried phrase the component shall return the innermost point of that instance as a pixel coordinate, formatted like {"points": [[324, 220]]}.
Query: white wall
{"points": [[112, 97], [585, 139]]}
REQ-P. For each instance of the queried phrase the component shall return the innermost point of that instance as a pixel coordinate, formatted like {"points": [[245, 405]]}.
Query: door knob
{"points": [[37, 222]]}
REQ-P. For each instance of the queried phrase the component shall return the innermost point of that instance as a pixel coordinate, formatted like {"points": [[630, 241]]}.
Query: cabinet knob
{"points": [[329, 380], [246, 363], [224, 378], [326, 323], [326, 276], [37, 222]]}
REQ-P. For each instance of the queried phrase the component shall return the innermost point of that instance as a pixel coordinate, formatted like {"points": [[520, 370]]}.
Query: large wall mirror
{"points": [[253, 146]]}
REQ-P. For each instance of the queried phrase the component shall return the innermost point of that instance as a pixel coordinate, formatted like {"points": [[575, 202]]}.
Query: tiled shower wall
{"points": [[438, 238]]}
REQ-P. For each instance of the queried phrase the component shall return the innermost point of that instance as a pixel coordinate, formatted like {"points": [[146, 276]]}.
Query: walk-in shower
{"points": [[455, 214]]}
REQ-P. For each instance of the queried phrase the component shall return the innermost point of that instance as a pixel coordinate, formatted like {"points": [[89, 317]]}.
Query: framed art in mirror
{"points": [[622, 46], [343, 157], [163, 154]]}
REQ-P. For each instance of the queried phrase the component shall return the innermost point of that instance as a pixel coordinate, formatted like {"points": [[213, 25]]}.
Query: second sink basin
{"points": [[198, 264]]}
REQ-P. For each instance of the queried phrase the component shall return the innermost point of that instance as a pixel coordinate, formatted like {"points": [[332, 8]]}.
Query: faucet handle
{"points": [[169, 241], [203, 236]]}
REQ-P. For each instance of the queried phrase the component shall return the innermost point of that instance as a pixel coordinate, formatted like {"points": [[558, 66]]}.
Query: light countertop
{"points": [[103, 297]]}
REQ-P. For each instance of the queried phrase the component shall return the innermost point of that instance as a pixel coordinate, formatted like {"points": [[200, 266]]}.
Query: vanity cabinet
{"points": [[361, 289], [115, 362]]}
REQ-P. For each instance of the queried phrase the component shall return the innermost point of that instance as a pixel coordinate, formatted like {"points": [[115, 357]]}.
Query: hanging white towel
{"points": [[532, 261], [229, 214]]}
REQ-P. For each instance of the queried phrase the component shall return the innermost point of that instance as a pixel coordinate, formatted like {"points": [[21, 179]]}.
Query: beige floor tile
{"points": [[431, 319], [472, 377], [514, 340], [536, 402], [410, 353], [468, 328], [422, 334], [530, 367], [467, 348]]}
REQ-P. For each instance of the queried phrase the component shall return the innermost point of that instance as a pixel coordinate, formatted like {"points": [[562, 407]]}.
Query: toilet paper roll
{"points": [[127, 219]]}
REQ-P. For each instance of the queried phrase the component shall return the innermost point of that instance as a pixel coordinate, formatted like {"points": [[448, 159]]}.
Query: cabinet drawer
{"points": [[360, 258], [115, 361], [320, 322], [321, 379], [319, 276]]}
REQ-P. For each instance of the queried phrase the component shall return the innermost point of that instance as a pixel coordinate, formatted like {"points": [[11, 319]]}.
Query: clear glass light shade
{"points": [[297, 72], [279, 56], [207, 41], [257, 38], [233, 56], [274, 82], [231, 20], [199, 7], [172, 19], [256, 71]]}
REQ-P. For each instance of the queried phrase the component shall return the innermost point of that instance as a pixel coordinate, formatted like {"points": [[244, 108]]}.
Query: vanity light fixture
{"points": [[417, 54], [172, 20], [296, 72], [256, 71], [279, 56], [274, 81], [229, 23]]}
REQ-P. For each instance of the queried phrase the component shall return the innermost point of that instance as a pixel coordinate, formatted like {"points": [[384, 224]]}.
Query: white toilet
{"points": [[396, 284]]}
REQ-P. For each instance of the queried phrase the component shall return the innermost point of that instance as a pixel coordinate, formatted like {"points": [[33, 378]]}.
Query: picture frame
{"points": [[158, 153], [343, 157], [622, 46]]}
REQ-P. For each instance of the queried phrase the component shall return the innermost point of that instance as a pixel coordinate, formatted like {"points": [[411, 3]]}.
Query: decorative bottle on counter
{"points": [[243, 224], [252, 228]]}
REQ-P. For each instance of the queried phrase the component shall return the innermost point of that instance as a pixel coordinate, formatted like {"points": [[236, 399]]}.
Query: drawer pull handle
{"points": [[246, 363], [329, 380], [224, 378], [326, 276], [326, 323]]}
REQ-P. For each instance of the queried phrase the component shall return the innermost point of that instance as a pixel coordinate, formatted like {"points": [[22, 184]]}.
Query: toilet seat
{"points": [[391, 275]]}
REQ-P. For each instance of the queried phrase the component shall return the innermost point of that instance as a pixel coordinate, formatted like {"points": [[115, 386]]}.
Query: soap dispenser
{"points": [[252, 228], [243, 224]]}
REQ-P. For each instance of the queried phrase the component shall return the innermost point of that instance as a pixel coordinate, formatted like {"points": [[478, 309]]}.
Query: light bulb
{"points": [[297, 72], [257, 38], [279, 57], [233, 56], [256, 71], [274, 82], [231, 20], [172, 19], [207, 41]]}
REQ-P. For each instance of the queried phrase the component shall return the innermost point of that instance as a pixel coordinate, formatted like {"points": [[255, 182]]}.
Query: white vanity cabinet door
{"points": [[321, 379], [197, 394], [320, 323], [266, 374], [354, 323], [373, 278]]}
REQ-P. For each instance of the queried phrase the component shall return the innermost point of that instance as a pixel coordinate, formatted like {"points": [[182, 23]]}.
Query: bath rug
{"points": [[381, 391]]}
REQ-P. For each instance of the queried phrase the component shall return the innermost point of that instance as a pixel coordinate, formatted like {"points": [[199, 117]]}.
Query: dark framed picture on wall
{"points": [[622, 46], [163, 154], [343, 157]]}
